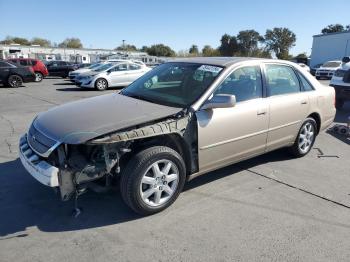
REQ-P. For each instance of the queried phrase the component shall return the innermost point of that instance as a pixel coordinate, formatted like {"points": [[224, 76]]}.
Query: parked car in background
{"points": [[73, 74], [314, 69], [111, 75], [341, 83], [38, 66], [302, 65], [327, 69], [13, 75], [180, 120], [60, 68]]}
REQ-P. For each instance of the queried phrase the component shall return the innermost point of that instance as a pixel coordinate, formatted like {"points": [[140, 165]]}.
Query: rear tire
{"points": [[305, 139], [38, 77], [152, 180], [15, 81], [101, 84]]}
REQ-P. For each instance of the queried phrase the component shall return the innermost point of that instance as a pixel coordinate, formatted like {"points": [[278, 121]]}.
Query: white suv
{"points": [[327, 69], [111, 74]]}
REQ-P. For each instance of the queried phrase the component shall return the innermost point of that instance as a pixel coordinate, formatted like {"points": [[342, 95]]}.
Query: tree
{"points": [[160, 50], [209, 51], [248, 41], [229, 45], [280, 40], [301, 56], [333, 29], [261, 52], [15, 40], [194, 50], [71, 43], [41, 41], [126, 48]]}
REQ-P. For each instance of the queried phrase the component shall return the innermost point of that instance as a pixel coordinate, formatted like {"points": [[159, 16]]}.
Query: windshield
{"points": [[331, 64], [174, 84], [103, 67]]}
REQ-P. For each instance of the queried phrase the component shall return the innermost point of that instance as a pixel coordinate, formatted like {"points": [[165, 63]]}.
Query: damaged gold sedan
{"points": [[182, 119]]}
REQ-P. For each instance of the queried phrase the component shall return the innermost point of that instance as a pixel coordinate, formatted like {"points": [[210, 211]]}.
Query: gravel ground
{"points": [[270, 208]]}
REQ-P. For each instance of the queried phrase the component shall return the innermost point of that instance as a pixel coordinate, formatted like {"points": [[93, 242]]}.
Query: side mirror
{"points": [[108, 72], [346, 59], [220, 101]]}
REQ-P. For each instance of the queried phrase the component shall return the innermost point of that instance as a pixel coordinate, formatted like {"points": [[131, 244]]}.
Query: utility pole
{"points": [[124, 47]]}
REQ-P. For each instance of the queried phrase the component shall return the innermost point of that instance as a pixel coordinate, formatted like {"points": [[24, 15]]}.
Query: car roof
{"points": [[218, 61]]}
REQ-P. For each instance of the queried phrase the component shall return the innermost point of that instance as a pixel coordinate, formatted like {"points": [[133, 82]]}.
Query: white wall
{"points": [[330, 47]]}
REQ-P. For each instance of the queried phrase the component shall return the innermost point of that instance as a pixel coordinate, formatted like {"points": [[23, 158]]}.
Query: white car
{"points": [[327, 69], [111, 74], [341, 83], [73, 74], [304, 67]]}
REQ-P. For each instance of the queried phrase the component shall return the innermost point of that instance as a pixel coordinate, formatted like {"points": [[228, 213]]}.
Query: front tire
{"points": [[101, 84], [15, 81], [38, 77], [305, 138], [152, 180]]}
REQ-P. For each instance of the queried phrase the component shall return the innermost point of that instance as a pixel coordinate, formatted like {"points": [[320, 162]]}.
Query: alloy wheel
{"points": [[38, 77], [159, 182], [306, 137]]}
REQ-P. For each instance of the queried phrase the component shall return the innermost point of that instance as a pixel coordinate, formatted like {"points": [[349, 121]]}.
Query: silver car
{"points": [[113, 74], [180, 120]]}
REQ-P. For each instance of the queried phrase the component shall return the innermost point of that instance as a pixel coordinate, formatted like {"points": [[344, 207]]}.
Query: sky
{"points": [[179, 24]]}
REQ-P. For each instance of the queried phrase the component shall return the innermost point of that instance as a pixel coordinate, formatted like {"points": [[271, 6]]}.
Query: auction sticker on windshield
{"points": [[209, 68]]}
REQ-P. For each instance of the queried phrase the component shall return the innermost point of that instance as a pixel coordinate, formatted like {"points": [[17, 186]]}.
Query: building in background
{"points": [[327, 47], [82, 55]]}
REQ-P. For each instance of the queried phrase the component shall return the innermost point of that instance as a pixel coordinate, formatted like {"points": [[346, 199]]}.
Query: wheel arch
{"points": [[173, 140], [316, 116]]}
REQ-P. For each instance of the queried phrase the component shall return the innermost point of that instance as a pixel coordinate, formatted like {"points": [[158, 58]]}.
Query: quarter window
{"points": [[245, 83], [281, 80], [306, 85]]}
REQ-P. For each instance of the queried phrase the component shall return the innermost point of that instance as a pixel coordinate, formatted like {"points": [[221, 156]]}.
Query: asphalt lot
{"points": [[270, 208]]}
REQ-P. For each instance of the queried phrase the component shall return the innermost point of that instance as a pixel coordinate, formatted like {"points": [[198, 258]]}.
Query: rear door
{"points": [[289, 106]]}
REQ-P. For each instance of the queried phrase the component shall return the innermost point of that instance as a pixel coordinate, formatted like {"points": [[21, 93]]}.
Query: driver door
{"points": [[228, 135]]}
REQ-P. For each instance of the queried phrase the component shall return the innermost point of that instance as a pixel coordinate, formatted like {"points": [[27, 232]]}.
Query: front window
{"points": [[174, 84], [244, 83]]}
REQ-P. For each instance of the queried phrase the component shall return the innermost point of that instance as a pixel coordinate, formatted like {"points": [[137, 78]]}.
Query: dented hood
{"points": [[82, 120]]}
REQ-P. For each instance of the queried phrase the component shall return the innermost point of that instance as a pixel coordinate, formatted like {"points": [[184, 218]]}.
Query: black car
{"points": [[13, 76], [60, 68]]}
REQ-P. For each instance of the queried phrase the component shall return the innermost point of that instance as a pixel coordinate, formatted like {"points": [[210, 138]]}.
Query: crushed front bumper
{"points": [[36, 166]]}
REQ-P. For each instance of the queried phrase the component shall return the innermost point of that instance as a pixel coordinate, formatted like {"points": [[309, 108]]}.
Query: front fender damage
{"points": [[95, 163]]}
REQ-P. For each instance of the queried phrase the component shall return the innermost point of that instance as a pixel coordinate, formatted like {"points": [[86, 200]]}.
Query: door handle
{"points": [[261, 112], [304, 102]]}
